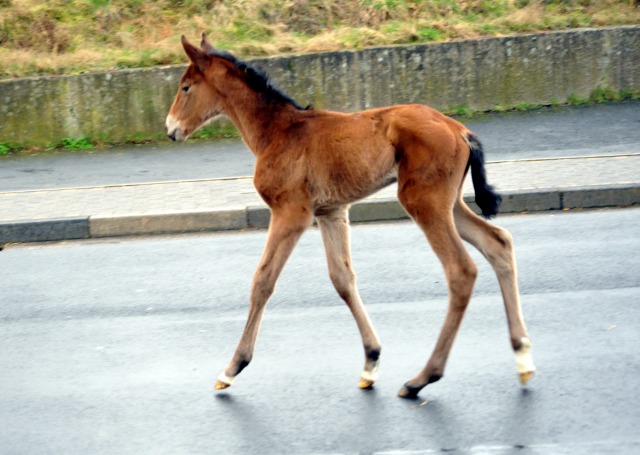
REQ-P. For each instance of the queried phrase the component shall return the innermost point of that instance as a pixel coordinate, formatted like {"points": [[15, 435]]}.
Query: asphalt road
{"points": [[113, 346], [605, 129]]}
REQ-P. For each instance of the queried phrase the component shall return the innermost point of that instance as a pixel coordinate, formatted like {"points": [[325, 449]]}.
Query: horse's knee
{"points": [[463, 271], [263, 286], [469, 272], [343, 279], [503, 238], [501, 255], [462, 278]]}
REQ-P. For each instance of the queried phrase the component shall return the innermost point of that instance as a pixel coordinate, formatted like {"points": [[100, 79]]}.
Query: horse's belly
{"points": [[347, 191]]}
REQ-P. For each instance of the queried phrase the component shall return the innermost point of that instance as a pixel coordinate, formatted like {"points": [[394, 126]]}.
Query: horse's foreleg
{"points": [[335, 235], [497, 246], [430, 211], [285, 229]]}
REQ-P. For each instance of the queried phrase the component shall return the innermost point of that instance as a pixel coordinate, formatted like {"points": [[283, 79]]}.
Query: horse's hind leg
{"points": [[496, 245], [285, 229], [335, 235], [430, 206]]}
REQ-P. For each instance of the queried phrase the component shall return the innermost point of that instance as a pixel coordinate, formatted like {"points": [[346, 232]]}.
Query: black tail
{"points": [[486, 198]]}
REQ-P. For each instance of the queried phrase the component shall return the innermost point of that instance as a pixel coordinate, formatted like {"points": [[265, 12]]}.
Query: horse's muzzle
{"points": [[173, 129]]}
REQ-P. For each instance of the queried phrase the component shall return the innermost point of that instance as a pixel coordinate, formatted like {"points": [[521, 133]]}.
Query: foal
{"points": [[315, 163]]}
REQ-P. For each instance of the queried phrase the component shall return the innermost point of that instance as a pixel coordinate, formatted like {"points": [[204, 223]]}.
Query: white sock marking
{"points": [[224, 378], [524, 361], [370, 375]]}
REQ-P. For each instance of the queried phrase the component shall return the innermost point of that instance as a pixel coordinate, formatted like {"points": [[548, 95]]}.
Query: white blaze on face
{"points": [[174, 130]]}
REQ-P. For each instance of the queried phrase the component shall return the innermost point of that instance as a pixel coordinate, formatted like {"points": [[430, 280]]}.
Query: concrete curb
{"points": [[215, 219], [44, 230], [257, 217]]}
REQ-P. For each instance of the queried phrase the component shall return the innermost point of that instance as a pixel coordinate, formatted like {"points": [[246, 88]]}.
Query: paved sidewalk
{"points": [[216, 204]]}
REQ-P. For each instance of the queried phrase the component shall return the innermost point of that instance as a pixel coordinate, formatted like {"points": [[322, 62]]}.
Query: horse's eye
{"points": [[185, 89]]}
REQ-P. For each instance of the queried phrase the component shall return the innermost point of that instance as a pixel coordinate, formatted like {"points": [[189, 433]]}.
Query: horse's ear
{"points": [[205, 44], [196, 55]]}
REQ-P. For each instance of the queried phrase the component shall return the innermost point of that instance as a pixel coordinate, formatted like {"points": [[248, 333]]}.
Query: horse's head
{"points": [[197, 101]]}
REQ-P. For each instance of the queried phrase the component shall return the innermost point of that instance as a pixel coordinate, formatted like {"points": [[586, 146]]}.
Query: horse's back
{"points": [[337, 158]]}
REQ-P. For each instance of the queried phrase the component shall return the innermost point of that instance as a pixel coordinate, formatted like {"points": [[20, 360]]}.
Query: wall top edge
{"points": [[456, 42], [274, 58]]}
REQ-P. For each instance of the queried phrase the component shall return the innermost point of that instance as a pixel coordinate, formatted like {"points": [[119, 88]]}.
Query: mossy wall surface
{"points": [[478, 74]]}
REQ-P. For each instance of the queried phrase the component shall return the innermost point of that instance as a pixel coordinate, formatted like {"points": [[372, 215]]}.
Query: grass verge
{"points": [[74, 36]]}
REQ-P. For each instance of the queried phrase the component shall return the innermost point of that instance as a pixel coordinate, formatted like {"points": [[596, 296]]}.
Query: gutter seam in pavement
{"points": [[173, 182], [119, 185], [560, 158]]}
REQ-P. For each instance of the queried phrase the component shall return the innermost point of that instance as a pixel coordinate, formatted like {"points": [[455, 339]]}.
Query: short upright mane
{"points": [[258, 80]]}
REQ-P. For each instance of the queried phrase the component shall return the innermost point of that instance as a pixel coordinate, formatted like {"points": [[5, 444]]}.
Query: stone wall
{"points": [[478, 74]]}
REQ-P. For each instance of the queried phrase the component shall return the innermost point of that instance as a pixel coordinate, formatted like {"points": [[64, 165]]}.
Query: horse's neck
{"points": [[255, 120]]}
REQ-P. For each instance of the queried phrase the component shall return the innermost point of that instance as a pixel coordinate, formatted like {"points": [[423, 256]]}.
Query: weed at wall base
{"points": [[459, 110], [575, 100], [599, 95], [629, 94], [604, 95], [216, 132], [81, 143]]}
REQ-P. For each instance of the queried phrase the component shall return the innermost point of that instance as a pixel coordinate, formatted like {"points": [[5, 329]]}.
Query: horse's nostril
{"points": [[172, 136]]}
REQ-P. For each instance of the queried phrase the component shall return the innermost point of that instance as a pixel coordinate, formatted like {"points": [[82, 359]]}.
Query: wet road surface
{"points": [[113, 346]]}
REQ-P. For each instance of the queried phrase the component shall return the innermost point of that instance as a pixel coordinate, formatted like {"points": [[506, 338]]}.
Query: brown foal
{"points": [[315, 163]]}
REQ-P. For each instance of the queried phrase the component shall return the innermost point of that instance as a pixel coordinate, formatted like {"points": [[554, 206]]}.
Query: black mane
{"points": [[258, 80]]}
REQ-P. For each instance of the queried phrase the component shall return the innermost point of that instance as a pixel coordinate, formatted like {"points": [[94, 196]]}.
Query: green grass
{"points": [[211, 132], [575, 100], [430, 34], [216, 132], [526, 107], [459, 110], [82, 143], [75, 36]]}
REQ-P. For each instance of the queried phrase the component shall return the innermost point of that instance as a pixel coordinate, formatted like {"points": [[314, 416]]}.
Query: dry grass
{"points": [[70, 36]]}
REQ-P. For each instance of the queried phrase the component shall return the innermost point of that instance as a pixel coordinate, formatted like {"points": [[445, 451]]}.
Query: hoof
{"points": [[223, 382], [525, 377], [408, 391], [367, 378], [221, 385]]}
